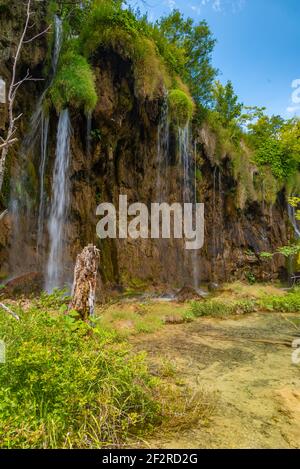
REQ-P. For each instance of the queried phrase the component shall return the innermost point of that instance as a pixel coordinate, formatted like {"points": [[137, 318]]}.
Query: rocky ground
{"points": [[246, 364]]}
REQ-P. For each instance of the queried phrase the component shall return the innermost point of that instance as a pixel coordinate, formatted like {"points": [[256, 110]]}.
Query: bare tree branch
{"points": [[9, 311], [3, 214], [13, 89], [38, 35]]}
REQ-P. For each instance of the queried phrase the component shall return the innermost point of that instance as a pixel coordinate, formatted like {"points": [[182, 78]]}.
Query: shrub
{"points": [[287, 303], [267, 186], [181, 107], [273, 153], [74, 83], [219, 308], [68, 385]]}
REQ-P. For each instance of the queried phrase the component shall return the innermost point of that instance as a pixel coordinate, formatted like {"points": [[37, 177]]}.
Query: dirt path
{"points": [[257, 384]]}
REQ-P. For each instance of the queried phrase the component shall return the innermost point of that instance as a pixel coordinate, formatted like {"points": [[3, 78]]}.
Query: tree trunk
{"points": [[85, 278]]}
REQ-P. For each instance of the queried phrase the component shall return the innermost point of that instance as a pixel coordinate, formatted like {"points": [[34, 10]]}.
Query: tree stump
{"points": [[85, 279]]}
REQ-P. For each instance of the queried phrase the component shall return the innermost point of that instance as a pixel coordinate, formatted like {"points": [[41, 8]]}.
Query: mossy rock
{"points": [[74, 84], [181, 107]]}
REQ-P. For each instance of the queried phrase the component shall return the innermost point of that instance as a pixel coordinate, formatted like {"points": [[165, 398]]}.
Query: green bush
{"points": [[74, 83], [219, 308], [287, 303], [67, 385], [181, 107], [273, 153]]}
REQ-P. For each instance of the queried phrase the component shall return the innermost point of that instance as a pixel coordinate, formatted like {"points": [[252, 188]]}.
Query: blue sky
{"points": [[258, 45]]}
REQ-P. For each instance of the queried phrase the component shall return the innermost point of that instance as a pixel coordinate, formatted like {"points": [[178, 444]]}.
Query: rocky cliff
{"points": [[117, 153]]}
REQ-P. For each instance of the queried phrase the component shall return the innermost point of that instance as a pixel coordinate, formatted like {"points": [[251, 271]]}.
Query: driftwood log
{"points": [[85, 279]]}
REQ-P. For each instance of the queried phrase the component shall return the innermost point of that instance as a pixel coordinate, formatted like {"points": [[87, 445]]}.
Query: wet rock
{"points": [[212, 287], [188, 293], [173, 319], [26, 284]]}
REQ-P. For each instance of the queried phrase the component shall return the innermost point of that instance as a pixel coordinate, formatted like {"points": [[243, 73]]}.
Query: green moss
{"points": [[74, 84], [110, 27], [181, 107], [267, 186]]}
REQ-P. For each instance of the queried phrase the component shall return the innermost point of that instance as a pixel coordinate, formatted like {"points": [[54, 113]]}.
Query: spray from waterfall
{"points": [[59, 204]]}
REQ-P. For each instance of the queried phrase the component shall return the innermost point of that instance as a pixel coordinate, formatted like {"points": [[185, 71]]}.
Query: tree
{"points": [[15, 84], [290, 136], [226, 103], [196, 43], [265, 127]]}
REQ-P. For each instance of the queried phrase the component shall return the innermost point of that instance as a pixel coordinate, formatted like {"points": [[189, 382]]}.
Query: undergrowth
{"points": [[67, 385], [290, 302]]}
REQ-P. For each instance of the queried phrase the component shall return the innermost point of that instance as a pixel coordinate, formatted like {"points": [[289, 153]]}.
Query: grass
{"points": [[181, 107], [74, 83], [220, 308], [68, 385], [126, 319], [110, 27], [242, 299]]}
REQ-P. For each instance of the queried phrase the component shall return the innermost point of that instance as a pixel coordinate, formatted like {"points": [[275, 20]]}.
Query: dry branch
{"points": [[12, 92], [9, 311]]}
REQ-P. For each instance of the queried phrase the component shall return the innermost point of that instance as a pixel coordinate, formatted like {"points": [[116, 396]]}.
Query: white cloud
{"points": [[222, 5], [171, 4], [292, 109], [196, 8]]}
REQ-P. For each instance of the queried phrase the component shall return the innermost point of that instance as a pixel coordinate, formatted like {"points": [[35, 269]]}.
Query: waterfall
{"points": [[187, 192], [185, 159], [59, 204], [292, 218], [37, 119], [44, 146], [163, 137], [58, 25], [42, 121]]}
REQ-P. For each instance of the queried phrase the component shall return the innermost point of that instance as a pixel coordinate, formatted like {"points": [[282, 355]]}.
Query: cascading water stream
{"points": [[187, 192], [185, 158], [44, 125], [59, 204], [34, 146], [44, 147], [162, 189], [57, 42], [163, 137], [292, 218], [38, 117]]}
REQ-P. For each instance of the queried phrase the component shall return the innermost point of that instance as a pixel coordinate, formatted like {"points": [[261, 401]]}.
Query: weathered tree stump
{"points": [[85, 279]]}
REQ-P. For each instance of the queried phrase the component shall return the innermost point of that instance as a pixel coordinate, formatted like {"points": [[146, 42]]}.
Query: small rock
{"points": [[172, 319], [188, 293]]}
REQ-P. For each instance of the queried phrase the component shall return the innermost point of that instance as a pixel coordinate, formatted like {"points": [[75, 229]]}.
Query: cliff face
{"points": [[123, 159]]}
